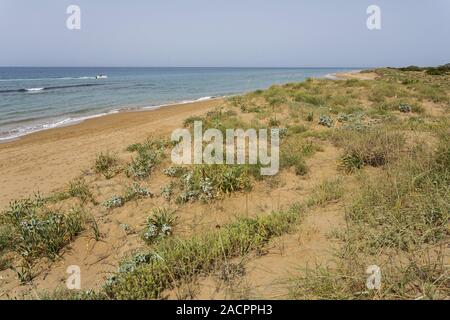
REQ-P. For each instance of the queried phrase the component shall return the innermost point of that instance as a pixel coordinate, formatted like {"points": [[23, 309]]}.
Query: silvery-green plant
{"points": [[283, 132], [136, 191], [405, 108], [175, 171], [326, 121], [114, 202], [167, 191], [141, 166], [130, 265], [159, 225]]}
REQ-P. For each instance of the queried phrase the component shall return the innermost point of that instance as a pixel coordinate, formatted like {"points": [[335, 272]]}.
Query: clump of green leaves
{"points": [[310, 117], [209, 181], [136, 191], [133, 192], [114, 202], [325, 121], [37, 231], [141, 166], [106, 164], [375, 148], [175, 171], [149, 154], [159, 225], [405, 108], [78, 188], [167, 191]]}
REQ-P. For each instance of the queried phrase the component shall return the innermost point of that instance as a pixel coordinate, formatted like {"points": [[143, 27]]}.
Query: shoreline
{"points": [[75, 121], [69, 121], [45, 160]]}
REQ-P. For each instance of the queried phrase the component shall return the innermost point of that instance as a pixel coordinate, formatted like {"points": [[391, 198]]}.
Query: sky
{"points": [[225, 33]]}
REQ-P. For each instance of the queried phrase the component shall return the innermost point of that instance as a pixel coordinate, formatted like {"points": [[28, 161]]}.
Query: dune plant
{"points": [[106, 164], [159, 225], [37, 231], [114, 202], [405, 108], [175, 171], [375, 148], [78, 188], [136, 191], [325, 121]]}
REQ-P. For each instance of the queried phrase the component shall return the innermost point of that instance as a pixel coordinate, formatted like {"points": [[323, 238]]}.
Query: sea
{"points": [[34, 99]]}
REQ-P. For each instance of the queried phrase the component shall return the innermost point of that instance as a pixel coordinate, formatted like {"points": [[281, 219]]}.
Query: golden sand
{"points": [[46, 160]]}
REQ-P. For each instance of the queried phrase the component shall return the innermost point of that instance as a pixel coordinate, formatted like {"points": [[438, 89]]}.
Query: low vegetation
{"points": [[159, 225], [173, 261], [106, 164], [34, 231], [387, 141], [401, 219]]}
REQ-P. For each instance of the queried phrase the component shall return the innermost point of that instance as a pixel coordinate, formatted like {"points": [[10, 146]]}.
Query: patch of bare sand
{"points": [[46, 160], [265, 276], [97, 260], [358, 75], [310, 244]]}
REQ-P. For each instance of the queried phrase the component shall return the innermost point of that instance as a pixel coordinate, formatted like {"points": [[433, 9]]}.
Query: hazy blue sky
{"points": [[224, 33]]}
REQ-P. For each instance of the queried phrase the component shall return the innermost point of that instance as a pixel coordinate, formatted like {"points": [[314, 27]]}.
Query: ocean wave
{"points": [[204, 98], [50, 88], [331, 76], [24, 130]]}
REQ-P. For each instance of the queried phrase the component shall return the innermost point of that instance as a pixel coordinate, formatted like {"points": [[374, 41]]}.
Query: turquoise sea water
{"points": [[33, 99]]}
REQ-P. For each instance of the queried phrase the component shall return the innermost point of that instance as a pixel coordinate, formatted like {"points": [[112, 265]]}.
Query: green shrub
{"points": [[106, 164], [142, 165], [300, 168], [374, 148], [328, 190], [159, 225], [175, 171], [310, 117], [167, 191], [173, 261], [207, 182], [325, 121], [189, 122], [135, 191], [78, 188], [274, 122], [40, 231], [316, 100]]}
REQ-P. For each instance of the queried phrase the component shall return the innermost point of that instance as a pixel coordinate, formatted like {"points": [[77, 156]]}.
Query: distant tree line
{"points": [[436, 71]]}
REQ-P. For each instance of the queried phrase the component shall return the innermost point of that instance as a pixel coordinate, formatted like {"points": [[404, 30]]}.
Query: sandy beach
{"points": [[229, 152], [46, 160]]}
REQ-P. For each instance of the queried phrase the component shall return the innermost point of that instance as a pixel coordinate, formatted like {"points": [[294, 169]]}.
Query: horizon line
{"points": [[206, 67]]}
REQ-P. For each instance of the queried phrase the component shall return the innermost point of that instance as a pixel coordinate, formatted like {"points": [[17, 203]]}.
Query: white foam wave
{"points": [[22, 131], [331, 76]]}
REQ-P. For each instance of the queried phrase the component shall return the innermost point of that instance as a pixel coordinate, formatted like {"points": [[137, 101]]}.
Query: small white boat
{"points": [[101, 76]]}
